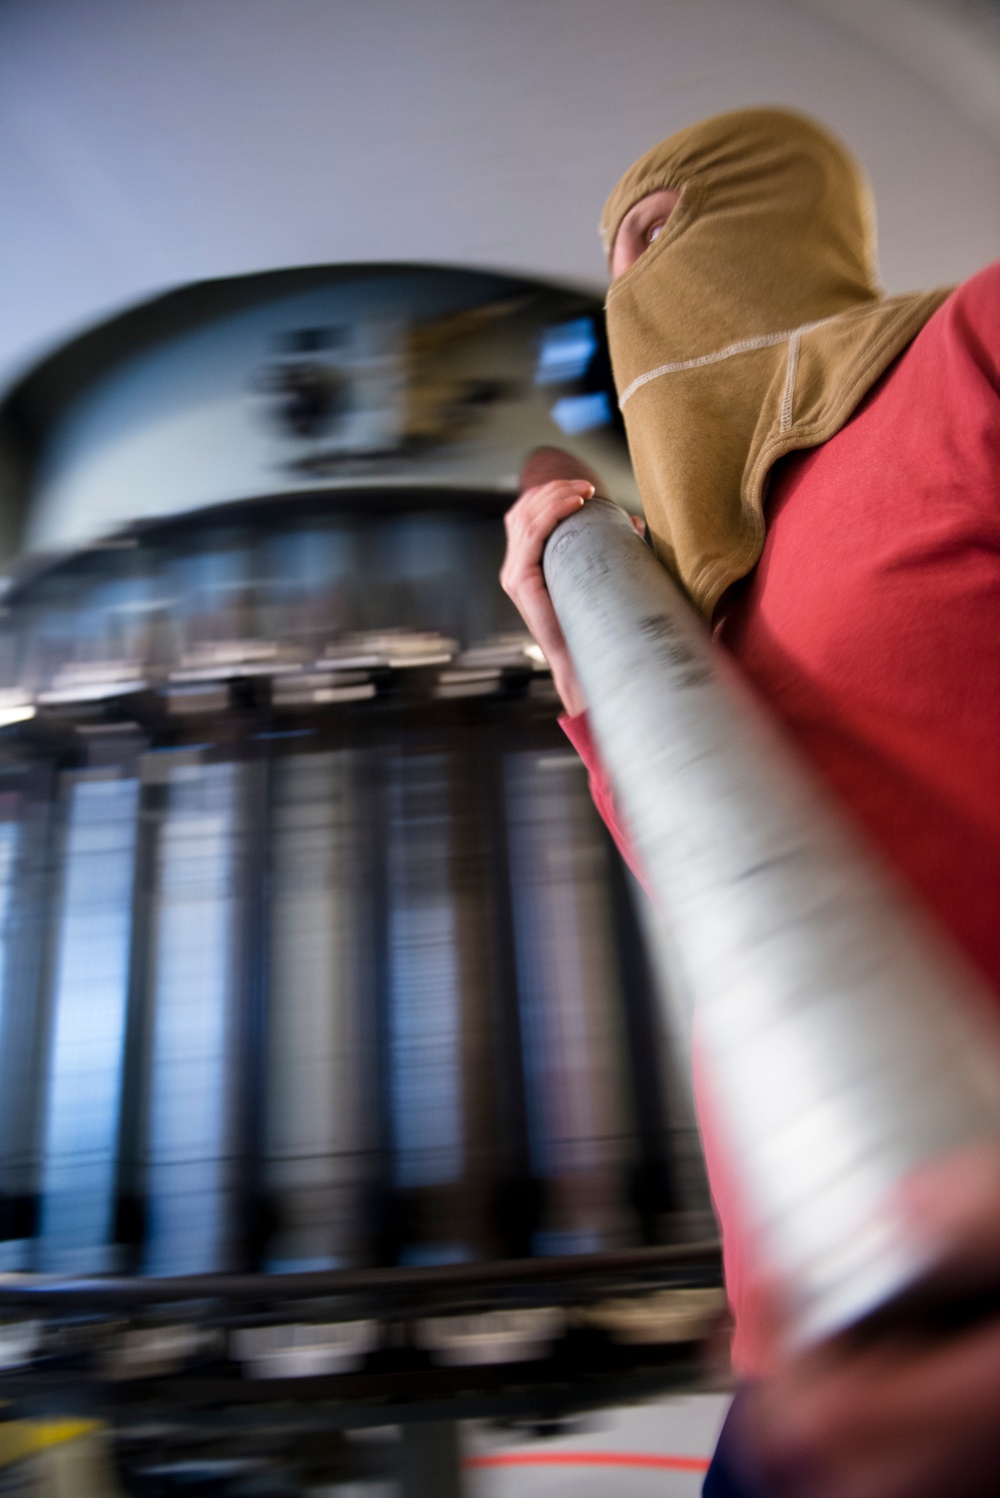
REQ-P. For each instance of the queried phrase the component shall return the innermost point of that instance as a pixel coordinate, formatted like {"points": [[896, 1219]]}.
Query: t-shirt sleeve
{"points": [[577, 730]]}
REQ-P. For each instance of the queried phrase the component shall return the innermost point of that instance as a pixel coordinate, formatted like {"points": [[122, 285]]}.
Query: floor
{"points": [[656, 1449]]}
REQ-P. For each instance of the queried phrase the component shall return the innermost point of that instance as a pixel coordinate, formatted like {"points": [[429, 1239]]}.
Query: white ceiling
{"points": [[145, 143]]}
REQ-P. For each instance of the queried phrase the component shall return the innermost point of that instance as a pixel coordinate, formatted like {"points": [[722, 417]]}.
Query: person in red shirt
{"points": [[820, 468]]}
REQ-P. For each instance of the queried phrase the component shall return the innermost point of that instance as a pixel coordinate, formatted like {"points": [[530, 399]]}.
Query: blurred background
{"points": [[317, 971]]}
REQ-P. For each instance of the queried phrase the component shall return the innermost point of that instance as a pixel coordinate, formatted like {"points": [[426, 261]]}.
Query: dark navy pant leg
{"points": [[728, 1477]]}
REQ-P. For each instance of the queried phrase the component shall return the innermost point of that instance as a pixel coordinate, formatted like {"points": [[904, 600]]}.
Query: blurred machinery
{"points": [[333, 1090]]}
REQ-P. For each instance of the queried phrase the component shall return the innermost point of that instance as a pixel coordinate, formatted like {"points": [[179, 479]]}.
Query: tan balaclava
{"points": [[752, 326]]}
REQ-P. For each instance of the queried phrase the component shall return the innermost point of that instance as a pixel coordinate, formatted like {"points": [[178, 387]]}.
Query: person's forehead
{"points": [[655, 195]]}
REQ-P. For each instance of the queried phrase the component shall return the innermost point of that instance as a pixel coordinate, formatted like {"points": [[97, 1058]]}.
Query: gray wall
{"points": [[145, 143]]}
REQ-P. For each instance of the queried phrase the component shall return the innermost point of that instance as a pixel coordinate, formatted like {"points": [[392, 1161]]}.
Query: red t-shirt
{"points": [[871, 624]]}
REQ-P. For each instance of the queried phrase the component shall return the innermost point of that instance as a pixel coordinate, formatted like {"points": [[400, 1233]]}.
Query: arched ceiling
{"points": [[146, 144], [952, 45]]}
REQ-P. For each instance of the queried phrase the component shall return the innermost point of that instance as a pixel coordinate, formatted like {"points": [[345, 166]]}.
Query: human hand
{"points": [[908, 1407], [529, 523], [554, 483]]}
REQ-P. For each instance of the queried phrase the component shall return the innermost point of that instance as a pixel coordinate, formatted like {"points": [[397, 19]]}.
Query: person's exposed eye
{"points": [[641, 227]]}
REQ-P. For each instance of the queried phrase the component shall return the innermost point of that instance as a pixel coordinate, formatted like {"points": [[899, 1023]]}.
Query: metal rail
{"points": [[507, 1280]]}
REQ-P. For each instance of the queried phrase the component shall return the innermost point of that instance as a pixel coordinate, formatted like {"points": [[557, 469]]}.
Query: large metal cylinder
{"points": [[842, 1042]]}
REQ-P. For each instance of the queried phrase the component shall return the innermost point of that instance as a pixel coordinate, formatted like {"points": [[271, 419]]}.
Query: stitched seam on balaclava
{"points": [[744, 346]]}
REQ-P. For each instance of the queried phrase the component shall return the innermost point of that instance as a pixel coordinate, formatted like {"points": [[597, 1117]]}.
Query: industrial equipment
{"points": [[334, 1090]]}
